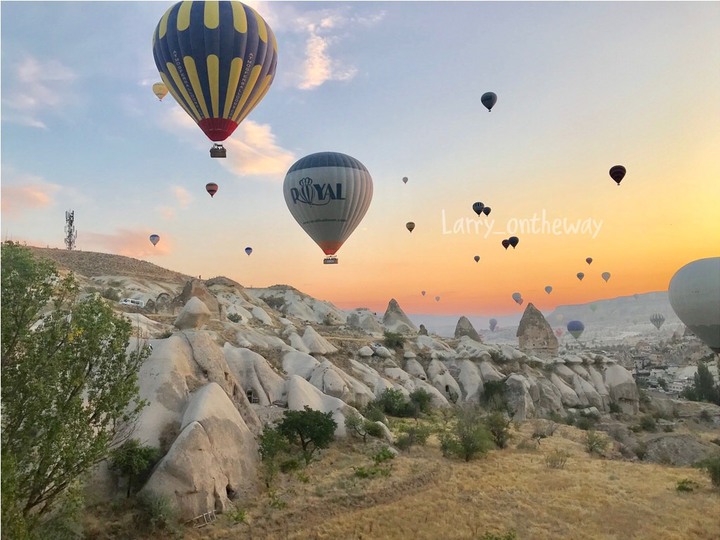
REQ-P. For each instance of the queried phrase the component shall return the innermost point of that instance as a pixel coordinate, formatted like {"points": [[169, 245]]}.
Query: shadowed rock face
{"points": [[465, 328], [395, 319], [197, 288], [535, 333]]}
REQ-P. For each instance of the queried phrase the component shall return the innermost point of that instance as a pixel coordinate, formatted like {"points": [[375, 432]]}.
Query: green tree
{"points": [[499, 427], [309, 429], [469, 437], [705, 386], [133, 461], [421, 399], [271, 445], [70, 384]]}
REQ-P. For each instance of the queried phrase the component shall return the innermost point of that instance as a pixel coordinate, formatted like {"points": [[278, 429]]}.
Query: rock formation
{"points": [[465, 328], [395, 320], [535, 333]]}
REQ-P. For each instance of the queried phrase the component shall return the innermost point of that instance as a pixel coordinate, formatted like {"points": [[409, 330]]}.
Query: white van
{"points": [[132, 302]]}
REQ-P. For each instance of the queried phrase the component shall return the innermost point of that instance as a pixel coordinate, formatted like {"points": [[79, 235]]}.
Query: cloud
{"points": [[35, 86], [182, 195], [24, 192], [131, 243]]}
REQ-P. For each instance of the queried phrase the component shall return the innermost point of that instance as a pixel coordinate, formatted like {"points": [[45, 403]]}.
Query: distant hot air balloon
{"points": [[588, 260], [559, 317], [437, 298], [422, 292], [580, 276], [514, 241], [617, 173], [548, 289], [559, 332], [154, 238], [489, 99], [493, 324], [160, 90], [657, 319], [477, 258], [328, 194], [593, 307], [410, 225], [518, 298], [218, 61], [405, 179], [486, 210], [576, 328], [248, 250], [605, 276], [478, 207], [506, 243], [211, 188], [694, 294]]}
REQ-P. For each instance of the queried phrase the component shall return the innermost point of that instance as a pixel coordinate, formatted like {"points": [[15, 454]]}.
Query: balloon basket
{"points": [[330, 260], [218, 151]]}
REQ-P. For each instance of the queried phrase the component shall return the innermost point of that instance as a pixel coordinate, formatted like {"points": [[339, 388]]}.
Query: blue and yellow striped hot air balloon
{"points": [[217, 60]]}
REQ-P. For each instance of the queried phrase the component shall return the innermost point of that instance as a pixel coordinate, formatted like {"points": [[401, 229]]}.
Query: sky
{"points": [[581, 86]]}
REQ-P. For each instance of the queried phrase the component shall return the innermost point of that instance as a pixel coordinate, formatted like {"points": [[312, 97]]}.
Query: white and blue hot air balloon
{"points": [[328, 194]]}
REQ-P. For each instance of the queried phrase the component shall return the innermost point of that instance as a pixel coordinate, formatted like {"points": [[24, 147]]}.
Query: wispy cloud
{"points": [[24, 192], [131, 243], [34, 87], [182, 196]]}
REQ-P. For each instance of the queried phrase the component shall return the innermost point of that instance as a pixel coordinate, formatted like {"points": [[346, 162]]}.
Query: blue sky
{"points": [[581, 86]]}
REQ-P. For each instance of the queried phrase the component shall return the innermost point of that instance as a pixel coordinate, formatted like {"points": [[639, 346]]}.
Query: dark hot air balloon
{"points": [[580, 276], [506, 243], [617, 173], [477, 258], [514, 241], [405, 179], [211, 188], [548, 289], [154, 238], [588, 260], [410, 226], [248, 250], [437, 298], [493, 324], [486, 210], [489, 99], [328, 194], [218, 60], [478, 207], [576, 328], [518, 298], [605, 276], [423, 293], [657, 319]]}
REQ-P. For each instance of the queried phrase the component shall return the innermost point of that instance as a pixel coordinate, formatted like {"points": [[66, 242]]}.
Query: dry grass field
{"points": [[429, 497]]}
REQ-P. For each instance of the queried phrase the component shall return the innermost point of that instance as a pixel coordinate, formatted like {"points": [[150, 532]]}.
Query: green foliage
{"points": [[704, 385], [584, 422], [494, 395], [374, 411], [234, 317], [271, 445], [662, 383], [422, 399], [686, 485], [383, 455], [70, 387], [712, 466], [614, 408], [310, 429], [469, 437], [156, 513], [393, 340], [499, 427], [413, 435], [374, 429], [111, 294], [359, 426], [640, 450], [648, 423], [133, 462], [595, 443], [371, 472], [394, 403], [509, 535], [557, 459], [289, 465], [236, 515]]}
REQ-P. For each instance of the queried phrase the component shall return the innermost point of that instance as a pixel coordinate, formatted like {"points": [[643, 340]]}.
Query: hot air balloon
{"points": [[405, 179], [160, 90], [514, 241], [559, 317], [489, 99], [477, 258], [518, 298], [694, 294], [506, 243], [588, 260], [211, 188], [422, 292], [437, 298], [154, 238], [410, 225], [580, 276], [548, 289], [328, 194], [478, 207], [576, 328], [248, 250], [617, 173], [559, 332], [657, 319], [486, 210], [593, 307], [605, 276], [218, 61], [493, 324]]}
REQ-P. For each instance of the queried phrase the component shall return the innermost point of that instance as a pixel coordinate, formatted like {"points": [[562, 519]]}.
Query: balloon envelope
{"points": [[405, 179], [154, 238], [657, 319], [410, 225], [478, 207], [489, 99], [477, 258], [514, 241], [606, 276], [548, 289], [423, 293], [580, 276], [617, 173], [506, 243], [517, 297], [160, 90], [486, 210], [218, 61], [694, 294], [248, 250], [576, 328], [211, 188], [437, 298], [328, 194], [493, 324], [588, 260]]}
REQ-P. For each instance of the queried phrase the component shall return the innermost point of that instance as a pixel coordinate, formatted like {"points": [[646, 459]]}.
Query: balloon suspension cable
{"points": [[218, 151]]}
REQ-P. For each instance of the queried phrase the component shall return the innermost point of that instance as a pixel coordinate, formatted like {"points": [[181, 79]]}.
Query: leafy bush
{"points": [[384, 454], [686, 485], [422, 399], [595, 443], [371, 472], [470, 436], [413, 435], [374, 429], [557, 459], [648, 423], [236, 515], [111, 294], [374, 411], [234, 317], [585, 422], [394, 403], [510, 535], [712, 466], [640, 450], [494, 395], [289, 465], [614, 408], [156, 513], [134, 462], [394, 340], [499, 427]]}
